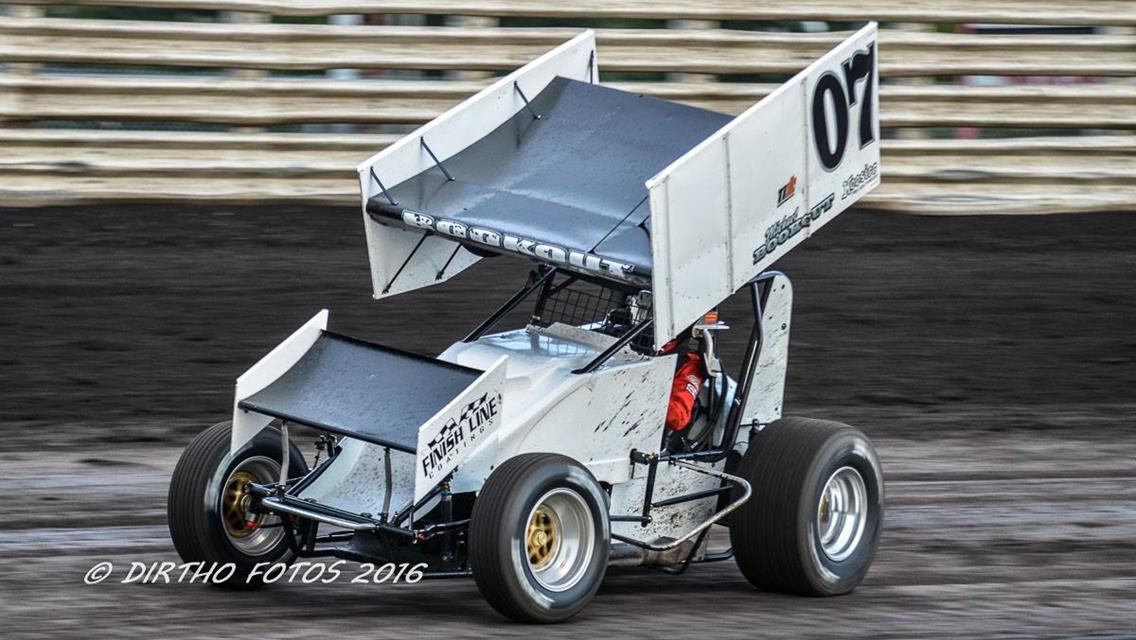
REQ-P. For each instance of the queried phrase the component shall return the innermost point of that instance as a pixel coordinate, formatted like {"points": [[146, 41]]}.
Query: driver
{"points": [[690, 373]]}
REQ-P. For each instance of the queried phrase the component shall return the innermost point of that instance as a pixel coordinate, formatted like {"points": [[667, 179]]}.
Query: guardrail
{"points": [[67, 80]]}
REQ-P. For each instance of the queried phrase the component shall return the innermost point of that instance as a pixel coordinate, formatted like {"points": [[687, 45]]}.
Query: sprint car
{"points": [[532, 458]]}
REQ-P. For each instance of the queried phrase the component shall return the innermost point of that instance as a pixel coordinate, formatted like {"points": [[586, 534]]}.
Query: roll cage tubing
{"points": [[542, 278]]}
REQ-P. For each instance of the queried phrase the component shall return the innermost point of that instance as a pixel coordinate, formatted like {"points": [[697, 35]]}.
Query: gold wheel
{"points": [[559, 539], [234, 506], [252, 534], [542, 538]]}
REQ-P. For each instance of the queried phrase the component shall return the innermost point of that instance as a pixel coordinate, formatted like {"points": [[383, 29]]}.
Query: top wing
{"points": [[637, 190], [403, 257], [561, 181], [763, 183]]}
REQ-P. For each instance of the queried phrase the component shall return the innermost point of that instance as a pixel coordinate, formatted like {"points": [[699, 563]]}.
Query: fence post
{"points": [[692, 25], [1130, 80], [244, 17], [912, 133], [24, 12], [460, 22]]}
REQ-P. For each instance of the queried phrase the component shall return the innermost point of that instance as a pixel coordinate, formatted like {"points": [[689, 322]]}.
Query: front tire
{"points": [[206, 510], [813, 522], [539, 538]]}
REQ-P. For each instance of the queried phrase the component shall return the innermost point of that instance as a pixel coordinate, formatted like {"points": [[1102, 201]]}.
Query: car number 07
{"points": [[842, 93]]}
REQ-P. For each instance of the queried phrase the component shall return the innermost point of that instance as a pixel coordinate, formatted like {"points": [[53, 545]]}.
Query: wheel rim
{"points": [[558, 539], [842, 513], [252, 534]]}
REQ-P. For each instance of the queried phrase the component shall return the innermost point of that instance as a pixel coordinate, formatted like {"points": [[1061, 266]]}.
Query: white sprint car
{"points": [[532, 459]]}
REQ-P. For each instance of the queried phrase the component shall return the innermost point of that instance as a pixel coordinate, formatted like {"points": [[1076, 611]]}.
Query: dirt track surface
{"points": [[992, 360]]}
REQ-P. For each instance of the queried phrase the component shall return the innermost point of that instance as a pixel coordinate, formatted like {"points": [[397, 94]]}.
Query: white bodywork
{"points": [[356, 481], [762, 184], [595, 418], [468, 423], [767, 390], [446, 135]]}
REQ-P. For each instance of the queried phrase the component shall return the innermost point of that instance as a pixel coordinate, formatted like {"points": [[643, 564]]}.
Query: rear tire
{"points": [[205, 521], [813, 522], [539, 538]]}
